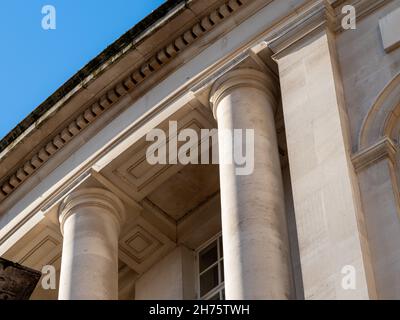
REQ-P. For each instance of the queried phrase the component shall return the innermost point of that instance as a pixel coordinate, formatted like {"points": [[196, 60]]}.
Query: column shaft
{"points": [[253, 211], [90, 221]]}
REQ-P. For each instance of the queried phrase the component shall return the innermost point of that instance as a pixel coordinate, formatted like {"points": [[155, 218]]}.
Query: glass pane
{"points": [[221, 249], [208, 256], [215, 297], [209, 280], [222, 270], [223, 294]]}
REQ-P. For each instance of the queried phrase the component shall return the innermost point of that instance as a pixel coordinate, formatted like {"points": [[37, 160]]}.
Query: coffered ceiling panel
{"points": [[141, 245], [39, 248], [186, 190], [135, 175]]}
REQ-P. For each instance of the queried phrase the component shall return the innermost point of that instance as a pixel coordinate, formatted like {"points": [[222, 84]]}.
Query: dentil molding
{"points": [[312, 16], [112, 96]]}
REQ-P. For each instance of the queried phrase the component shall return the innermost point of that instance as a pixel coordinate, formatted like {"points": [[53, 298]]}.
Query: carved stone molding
{"points": [[93, 197], [302, 22], [363, 8], [141, 245], [243, 77], [314, 16], [385, 148], [112, 96], [382, 116]]}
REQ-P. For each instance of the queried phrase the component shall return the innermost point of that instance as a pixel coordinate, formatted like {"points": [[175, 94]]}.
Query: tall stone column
{"points": [[90, 221], [331, 229], [254, 227]]}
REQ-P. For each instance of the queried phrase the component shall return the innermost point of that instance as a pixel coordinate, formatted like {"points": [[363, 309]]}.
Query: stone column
{"points": [[90, 221], [254, 227], [330, 224]]}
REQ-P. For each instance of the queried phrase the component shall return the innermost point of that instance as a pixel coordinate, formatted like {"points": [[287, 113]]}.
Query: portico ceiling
{"points": [[174, 189], [157, 199]]}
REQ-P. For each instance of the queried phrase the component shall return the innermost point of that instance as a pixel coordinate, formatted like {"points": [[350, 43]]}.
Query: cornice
{"points": [[158, 60], [315, 16], [96, 66], [363, 8], [384, 148], [312, 16]]}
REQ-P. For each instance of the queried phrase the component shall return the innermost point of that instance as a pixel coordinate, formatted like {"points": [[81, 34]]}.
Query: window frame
{"points": [[220, 288]]}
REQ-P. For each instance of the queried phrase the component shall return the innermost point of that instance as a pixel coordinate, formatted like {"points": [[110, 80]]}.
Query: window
{"points": [[210, 270]]}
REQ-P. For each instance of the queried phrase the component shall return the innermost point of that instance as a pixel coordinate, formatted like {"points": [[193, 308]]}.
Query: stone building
{"points": [[318, 217]]}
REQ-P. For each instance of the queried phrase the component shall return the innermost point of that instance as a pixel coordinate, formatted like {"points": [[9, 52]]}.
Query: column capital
{"points": [[243, 77], [91, 197]]}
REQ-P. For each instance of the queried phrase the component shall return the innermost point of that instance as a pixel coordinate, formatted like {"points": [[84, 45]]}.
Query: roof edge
{"points": [[126, 39]]}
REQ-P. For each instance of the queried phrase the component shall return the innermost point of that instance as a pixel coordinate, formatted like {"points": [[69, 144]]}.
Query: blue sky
{"points": [[35, 62]]}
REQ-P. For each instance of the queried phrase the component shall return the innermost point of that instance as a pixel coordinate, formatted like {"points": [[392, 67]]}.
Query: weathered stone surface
{"points": [[16, 282], [338, 129]]}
